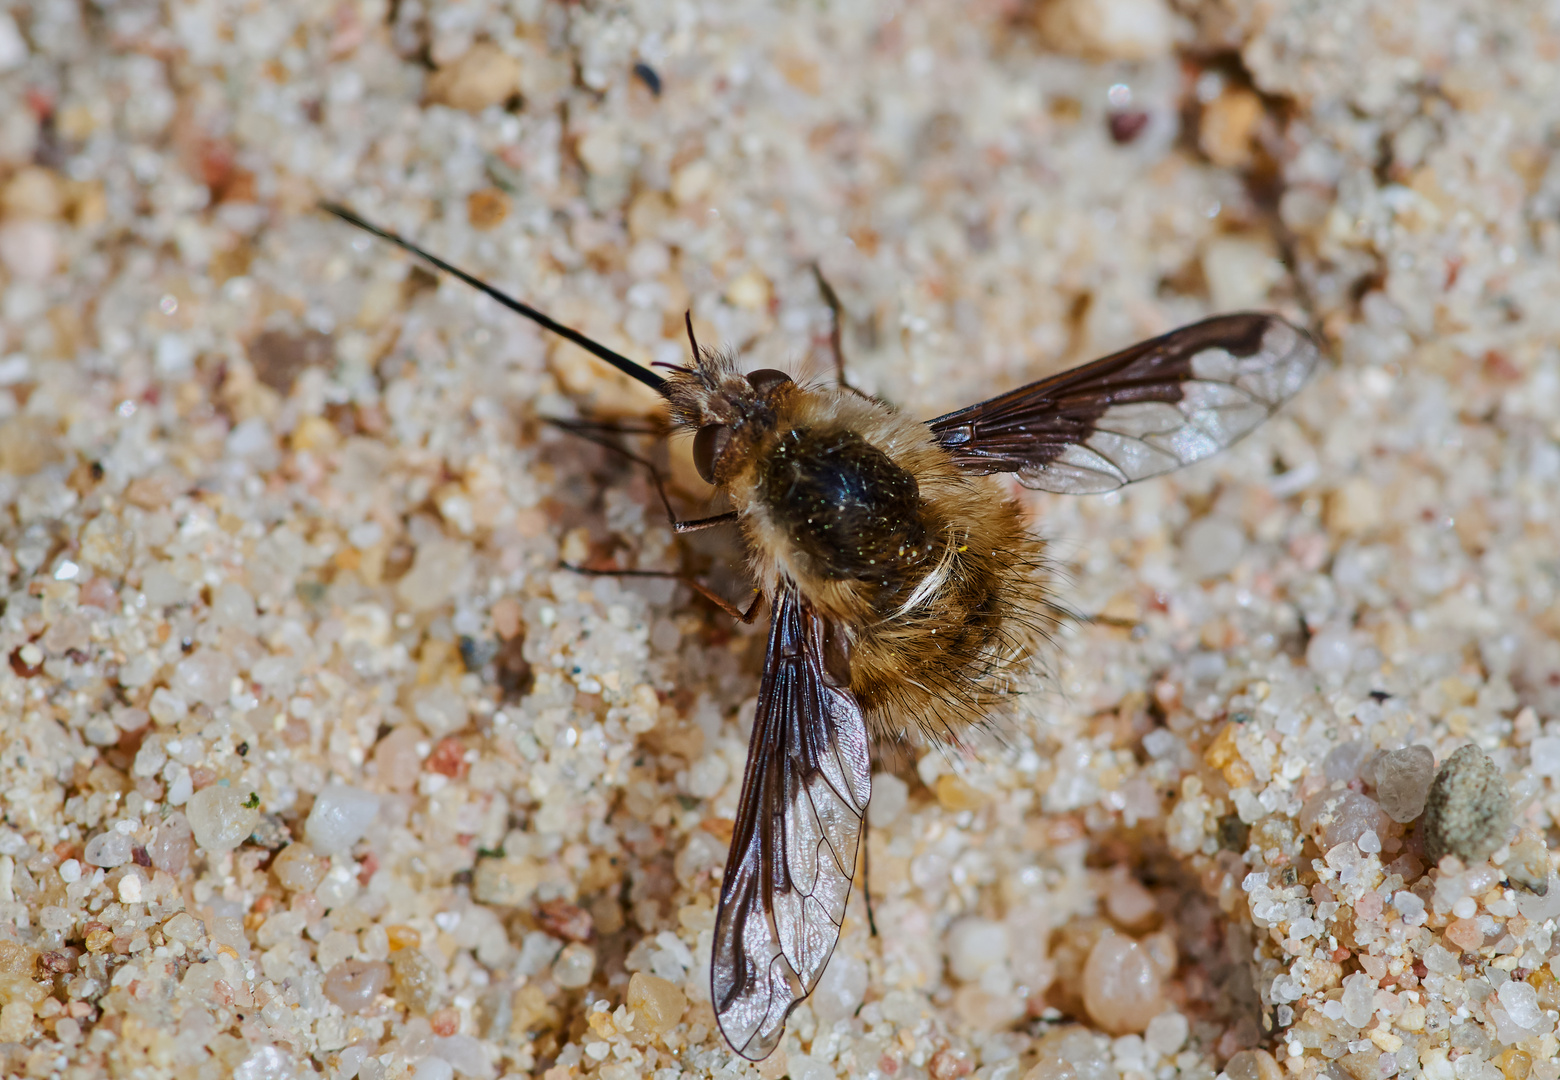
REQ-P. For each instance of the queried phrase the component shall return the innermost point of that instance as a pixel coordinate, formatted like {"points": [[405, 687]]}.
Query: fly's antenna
{"points": [[595, 348]]}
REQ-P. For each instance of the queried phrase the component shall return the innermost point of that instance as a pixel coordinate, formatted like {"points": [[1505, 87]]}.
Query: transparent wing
{"points": [[1157, 406], [793, 850]]}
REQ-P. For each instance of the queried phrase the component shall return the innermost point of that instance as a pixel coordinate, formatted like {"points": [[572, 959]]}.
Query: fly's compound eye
{"points": [[766, 379], [707, 447]]}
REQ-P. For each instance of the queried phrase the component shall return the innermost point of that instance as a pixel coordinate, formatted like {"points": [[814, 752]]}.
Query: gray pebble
{"points": [[1468, 813]]}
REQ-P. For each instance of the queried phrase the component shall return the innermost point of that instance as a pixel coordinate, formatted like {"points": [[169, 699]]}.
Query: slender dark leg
{"points": [[693, 583], [609, 427], [837, 319], [866, 876], [597, 433]]}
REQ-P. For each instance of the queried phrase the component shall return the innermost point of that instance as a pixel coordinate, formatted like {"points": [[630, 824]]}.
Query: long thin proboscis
{"points": [[595, 348]]}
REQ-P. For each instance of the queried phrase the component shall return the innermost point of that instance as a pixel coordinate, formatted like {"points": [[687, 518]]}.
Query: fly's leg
{"points": [[836, 321], [693, 583], [866, 874], [599, 433]]}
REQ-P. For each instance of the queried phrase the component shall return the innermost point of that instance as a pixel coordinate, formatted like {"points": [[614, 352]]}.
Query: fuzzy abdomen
{"points": [[951, 644]]}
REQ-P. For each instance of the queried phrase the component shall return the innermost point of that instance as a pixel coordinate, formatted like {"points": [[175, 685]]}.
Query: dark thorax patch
{"points": [[845, 504]]}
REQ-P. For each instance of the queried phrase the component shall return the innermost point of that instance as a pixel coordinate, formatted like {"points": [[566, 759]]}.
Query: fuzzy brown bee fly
{"points": [[905, 590]]}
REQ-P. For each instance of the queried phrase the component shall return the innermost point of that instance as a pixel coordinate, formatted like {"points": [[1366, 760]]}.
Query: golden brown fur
{"points": [[938, 641]]}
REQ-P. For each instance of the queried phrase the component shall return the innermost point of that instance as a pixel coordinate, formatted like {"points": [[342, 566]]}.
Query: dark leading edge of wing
{"points": [[1157, 406], [793, 850]]}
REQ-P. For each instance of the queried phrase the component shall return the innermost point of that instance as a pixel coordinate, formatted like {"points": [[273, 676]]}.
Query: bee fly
{"points": [[905, 589]]}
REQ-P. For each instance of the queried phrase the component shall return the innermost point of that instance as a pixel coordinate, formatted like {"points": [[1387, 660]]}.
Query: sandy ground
{"points": [[315, 760]]}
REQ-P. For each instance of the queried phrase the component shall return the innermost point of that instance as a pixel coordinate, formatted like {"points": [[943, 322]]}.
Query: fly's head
{"points": [[728, 412]]}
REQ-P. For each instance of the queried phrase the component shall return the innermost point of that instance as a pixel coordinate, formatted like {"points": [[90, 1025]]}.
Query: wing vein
{"points": [[1088, 430], [793, 848]]}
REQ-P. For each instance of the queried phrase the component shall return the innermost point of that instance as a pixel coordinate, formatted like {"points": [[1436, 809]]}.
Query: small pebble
{"points": [[889, 796], [564, 920], [484, 75], [172, 845], [984, 1010], [1107, 29], [234, 606], [1128, 903], [16, 1022], [647, 75], [487, 208], [655, 1002], [1468, 813], [840, 989], [1330, 651], [1403, 782], [13, 47], [416, 980], [1343, 817], [167, 708], [108, 849], [396, 759], [352, 985], [417, 1037], [1520, 1001], [205, 676], [1126, 125], [807, 1067], [1464, 933], [1122, 988], [1211, 547], [185, 928], [1227, 125], [297, 868], [221, 817], [1527, 866], [954, 794], [339, 818], [30, 250], [974, 945], [439, 570], [280, 356], [464, 1053], [1359, 995], [33, 192], [1343, 761], [1240, 270], [107, 544], [750, 290], [575, 966], [1545, 751], [508, 881], [1072, 1053], [1166, 1033], [1253, 1065], [1410, 906], [433, 1068]]}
